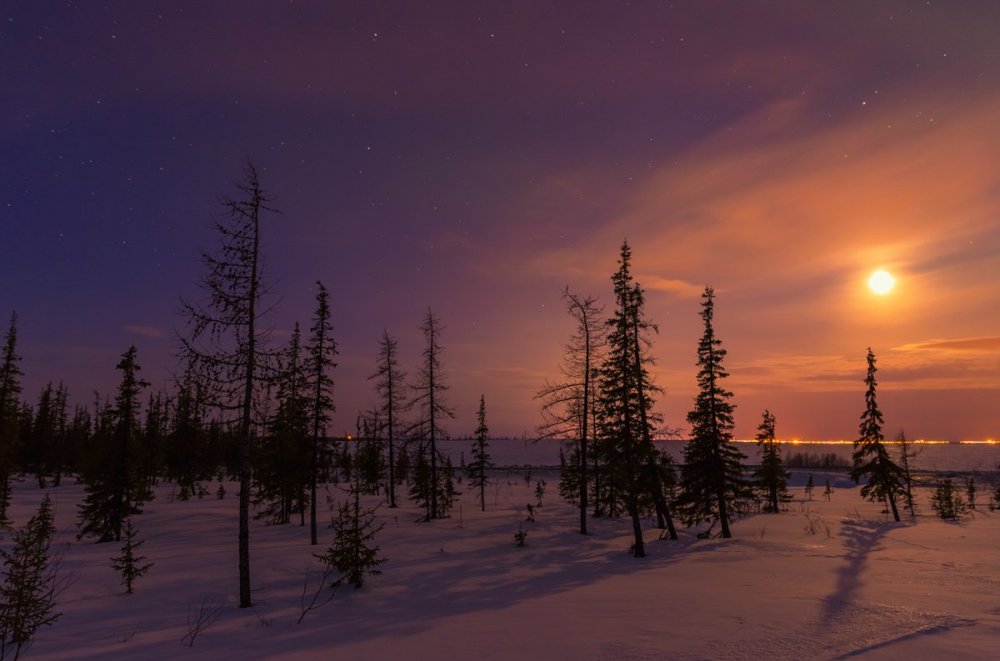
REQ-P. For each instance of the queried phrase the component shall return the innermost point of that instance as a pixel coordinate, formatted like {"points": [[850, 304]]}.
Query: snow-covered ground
{"points": [[823, 580]]}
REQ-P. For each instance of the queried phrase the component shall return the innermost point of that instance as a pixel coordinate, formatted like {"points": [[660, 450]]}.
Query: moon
{"points": [[881, 282]]}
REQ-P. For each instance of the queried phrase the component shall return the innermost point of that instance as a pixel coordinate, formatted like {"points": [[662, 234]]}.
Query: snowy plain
{"points": [[826, 579]]}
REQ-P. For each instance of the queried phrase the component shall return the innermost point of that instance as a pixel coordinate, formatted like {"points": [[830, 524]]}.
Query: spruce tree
{"points": [[871, 459], [569, 473], [626, 420], [60, 459], [129, 564], [368, 459], [481, 460], [186, 453], [390, 386], [322, 351], [429, 402], [150, 462], [970, 492], [114, 485], [30, 583], [281, 472], [353, 554], [771, 476], [40, 448], [10, 391], [225, 340], [712, 476]]}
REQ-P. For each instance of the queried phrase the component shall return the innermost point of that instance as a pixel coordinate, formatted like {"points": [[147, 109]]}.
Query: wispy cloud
{"points": [[143, 330], [670, 286], [969, 344]]}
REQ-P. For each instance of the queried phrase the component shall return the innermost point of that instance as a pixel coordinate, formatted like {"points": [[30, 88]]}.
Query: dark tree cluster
{"points": [[605, 407]]}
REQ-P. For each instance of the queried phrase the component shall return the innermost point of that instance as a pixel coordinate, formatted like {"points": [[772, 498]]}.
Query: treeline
{"points": [[241, 409]]}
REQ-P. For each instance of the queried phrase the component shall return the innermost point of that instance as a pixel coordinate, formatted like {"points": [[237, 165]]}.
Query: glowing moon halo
{"points": [[881, 282]]}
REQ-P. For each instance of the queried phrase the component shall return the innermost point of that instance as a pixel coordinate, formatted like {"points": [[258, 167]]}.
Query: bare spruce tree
{"points": [[391, 389], [322, 351], [906, 453], [429, 402], [871, 458], [568, 406], [224, 337]]}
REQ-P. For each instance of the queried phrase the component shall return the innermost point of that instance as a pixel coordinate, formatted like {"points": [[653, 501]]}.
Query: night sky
{"points": [[478, 157]]}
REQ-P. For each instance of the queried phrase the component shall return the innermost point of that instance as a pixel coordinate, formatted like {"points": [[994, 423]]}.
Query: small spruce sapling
{"points": [[521, 536], [353, 553], [539, 492], [970, 492], [809, 487], [828, 491], [129, 563]]}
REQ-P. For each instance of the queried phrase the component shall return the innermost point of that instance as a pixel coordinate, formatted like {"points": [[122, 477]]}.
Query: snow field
{"points": [[822, 580]]}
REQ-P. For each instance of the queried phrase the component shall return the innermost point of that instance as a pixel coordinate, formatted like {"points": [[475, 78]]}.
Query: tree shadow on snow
{"points": [[860, 540], [492, 578]]}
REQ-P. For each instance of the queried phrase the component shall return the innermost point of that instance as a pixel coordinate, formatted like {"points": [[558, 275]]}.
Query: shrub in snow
{"points": [[946, 501]]}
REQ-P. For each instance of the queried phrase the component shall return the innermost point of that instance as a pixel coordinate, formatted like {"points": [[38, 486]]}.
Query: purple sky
{"points": [[478, 157]]}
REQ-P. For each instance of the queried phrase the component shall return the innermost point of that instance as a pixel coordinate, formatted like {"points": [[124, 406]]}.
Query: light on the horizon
{"points": [[881, 282]]}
